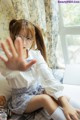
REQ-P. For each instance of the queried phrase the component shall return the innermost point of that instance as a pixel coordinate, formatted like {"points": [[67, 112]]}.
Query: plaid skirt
{"points": [[22, 96]]}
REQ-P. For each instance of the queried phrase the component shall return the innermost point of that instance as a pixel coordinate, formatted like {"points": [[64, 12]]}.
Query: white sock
{"points": [[75, 103], [58, 114]]}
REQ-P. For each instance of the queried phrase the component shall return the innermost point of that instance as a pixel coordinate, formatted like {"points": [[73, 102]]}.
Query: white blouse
{"points": [[38, 72]]}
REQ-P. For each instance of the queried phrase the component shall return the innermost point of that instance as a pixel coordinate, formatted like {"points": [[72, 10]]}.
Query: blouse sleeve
{"points": [[52, 86]]}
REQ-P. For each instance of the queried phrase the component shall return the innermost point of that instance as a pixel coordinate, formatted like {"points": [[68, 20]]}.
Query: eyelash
{"points": [[22, 37]]}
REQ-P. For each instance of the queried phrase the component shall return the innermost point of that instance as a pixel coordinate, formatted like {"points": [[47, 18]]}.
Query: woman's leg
{"points": [[58, 114], [50, 107], [42, 101]]}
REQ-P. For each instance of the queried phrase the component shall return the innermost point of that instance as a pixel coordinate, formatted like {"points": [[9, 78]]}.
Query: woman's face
{"points": [[27, 40]]}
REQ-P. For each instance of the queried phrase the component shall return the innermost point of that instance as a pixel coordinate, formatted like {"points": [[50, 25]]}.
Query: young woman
{"points": [[33, 84]]}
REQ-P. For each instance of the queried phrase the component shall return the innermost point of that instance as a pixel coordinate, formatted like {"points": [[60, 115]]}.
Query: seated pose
{"points": [[31, 80]]}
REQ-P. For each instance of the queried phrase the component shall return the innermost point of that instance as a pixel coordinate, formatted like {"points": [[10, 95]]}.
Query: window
{"points": [[68, 47]]}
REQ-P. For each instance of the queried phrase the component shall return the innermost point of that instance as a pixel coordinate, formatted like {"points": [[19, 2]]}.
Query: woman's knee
{"points": [[49, 104], [46, 99]]}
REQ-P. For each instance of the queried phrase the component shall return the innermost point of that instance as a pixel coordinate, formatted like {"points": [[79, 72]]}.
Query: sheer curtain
{"points": [[41, 12]]}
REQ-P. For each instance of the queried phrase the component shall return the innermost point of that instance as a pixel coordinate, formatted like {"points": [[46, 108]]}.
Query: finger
{"points": [[68, 117], [27, 53], [3, 59], [11, 47], [28, 65], [5, 50], [74, 117], [19, 46], [78, 111]]}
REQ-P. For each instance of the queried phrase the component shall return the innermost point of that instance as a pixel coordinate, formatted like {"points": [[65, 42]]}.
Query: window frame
{"points": [[63, 32]]}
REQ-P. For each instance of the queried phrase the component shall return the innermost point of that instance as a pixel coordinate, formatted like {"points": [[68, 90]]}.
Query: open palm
{"points": [[15, 60]]}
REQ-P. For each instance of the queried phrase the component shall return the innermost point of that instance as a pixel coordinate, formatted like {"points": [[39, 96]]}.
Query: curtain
{"points": [[41, 12]]}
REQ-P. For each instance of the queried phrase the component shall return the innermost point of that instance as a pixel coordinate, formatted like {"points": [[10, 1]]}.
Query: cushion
{"points": [[72, 74]]}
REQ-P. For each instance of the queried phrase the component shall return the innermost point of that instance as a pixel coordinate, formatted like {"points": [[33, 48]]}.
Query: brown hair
{"points": [[16, 25]]}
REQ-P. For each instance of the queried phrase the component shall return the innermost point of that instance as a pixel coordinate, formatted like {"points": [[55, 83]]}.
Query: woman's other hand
{"points": [[70, 112]]}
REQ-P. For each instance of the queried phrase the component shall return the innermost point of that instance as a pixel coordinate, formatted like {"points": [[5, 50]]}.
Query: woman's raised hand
{"points": [[14, 54]]}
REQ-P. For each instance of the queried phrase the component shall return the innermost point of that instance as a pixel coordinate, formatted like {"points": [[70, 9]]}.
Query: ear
{"points": [[18, 45]]}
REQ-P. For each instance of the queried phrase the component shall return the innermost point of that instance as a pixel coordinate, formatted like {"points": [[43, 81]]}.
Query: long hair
{"points": [[16, 25]]}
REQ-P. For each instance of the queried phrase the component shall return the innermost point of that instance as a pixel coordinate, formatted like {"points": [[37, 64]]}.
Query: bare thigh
{"points": [[42, 101]]}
